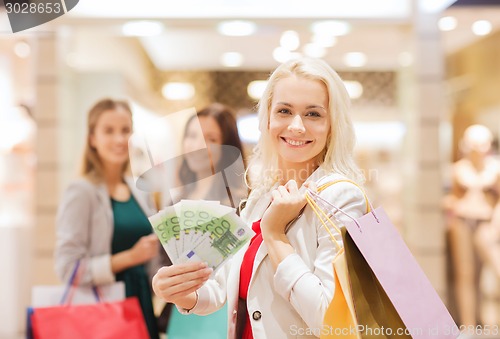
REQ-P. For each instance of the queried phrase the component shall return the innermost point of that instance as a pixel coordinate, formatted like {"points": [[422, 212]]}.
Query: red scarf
{"points": [[246, 273]]}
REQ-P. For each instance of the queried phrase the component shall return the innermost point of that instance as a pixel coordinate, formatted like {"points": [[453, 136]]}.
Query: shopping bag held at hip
{"points": [[384, 287]]}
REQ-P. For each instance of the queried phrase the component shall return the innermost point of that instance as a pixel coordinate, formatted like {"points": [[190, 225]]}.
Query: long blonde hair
{"points": [[338, 153], [91, 163]]}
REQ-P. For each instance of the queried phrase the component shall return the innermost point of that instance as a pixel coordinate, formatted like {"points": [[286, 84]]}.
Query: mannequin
{"points": [[470, 207], [487, 241]]}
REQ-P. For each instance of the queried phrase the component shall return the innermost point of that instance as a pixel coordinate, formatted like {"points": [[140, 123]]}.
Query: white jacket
{"points": [[292, 302]]}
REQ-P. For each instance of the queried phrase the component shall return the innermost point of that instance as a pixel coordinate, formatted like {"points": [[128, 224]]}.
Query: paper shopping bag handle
{"points": [[369, 206], [324, 218]]}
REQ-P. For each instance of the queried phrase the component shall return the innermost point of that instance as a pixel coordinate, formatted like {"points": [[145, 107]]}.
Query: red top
{"points": [[246, 273]]}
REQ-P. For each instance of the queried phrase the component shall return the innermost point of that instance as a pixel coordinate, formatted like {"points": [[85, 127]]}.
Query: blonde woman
{"points": [[102, 220], [282, 284]]}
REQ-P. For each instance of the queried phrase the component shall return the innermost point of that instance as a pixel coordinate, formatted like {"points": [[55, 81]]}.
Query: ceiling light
{"points": [[355, 59], [282, 55], [354, 88], [178, 90], [314, 50], [256, 88], [237, 28], [324, 40], [290, 40], [232, 59], [142, 28], [22, 49], [481, 27], [248, 128], [331, 27], [447, 23]]}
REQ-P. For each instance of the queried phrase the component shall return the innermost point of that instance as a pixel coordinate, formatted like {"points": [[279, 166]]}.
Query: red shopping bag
{"points": [[122, 319], [101, 320]]}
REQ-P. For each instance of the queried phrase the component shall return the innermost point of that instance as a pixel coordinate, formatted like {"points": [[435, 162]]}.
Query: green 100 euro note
{"points": [[212, 238], [222, 237], [166, 226]]}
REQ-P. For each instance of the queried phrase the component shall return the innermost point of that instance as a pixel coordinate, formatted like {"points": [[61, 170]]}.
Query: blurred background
{"points": [[419, 73]]}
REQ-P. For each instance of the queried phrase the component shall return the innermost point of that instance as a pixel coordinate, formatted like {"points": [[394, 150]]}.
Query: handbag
{"points": [[381, 291], [117, 319]]}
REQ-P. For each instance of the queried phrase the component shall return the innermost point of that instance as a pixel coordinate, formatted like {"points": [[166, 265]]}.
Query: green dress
{"points": [[130, 224]]}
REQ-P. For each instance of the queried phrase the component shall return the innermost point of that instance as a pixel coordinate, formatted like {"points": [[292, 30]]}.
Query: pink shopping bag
{"points": [[399, 274]]}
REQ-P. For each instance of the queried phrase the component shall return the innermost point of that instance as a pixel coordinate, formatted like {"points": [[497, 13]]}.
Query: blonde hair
{"points": [[338, 153], [91, 163]]}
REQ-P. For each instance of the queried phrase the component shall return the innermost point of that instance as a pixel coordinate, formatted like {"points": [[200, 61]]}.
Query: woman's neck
{"points": [[299, 172], [117, 188], [113, 174]]}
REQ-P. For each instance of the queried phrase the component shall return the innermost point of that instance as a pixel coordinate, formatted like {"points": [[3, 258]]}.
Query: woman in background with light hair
{"points": [[283, 282], [475, 180], [102, 219]]}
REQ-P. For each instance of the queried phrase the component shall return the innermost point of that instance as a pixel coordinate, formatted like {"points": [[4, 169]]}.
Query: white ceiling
{"points": [[382, 29], [182, 47], [190, 40], [223, 9]]}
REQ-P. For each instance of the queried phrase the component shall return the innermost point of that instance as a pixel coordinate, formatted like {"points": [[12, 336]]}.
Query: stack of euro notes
{"points": [[200, 230]]}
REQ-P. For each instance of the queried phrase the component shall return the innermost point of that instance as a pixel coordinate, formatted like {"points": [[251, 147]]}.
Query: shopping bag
{"points": [[122, 319], [46, 295], [97, 319], [51, 295], [392, 298], [376, 315], [402, 279], [359, 309], [340, 319]]}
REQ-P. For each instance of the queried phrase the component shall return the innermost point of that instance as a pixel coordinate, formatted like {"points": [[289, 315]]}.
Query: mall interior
{"points": [[419, 73]]}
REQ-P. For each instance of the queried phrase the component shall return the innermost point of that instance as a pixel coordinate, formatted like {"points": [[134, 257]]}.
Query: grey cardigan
{"points": [[85, 230]]}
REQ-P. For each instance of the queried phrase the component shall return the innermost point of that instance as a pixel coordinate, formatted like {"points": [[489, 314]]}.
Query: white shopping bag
{"points": [[50, 295]]}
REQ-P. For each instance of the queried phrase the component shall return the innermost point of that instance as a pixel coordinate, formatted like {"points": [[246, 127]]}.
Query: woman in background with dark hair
{"points": [[211, 145], [102, 219], [219, 128]]}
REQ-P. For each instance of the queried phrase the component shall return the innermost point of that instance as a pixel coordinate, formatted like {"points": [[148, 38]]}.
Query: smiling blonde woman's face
{"points": [[299, 121]]}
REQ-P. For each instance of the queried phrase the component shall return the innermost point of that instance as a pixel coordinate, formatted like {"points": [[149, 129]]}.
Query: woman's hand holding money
{"points": [[177, 284]]}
